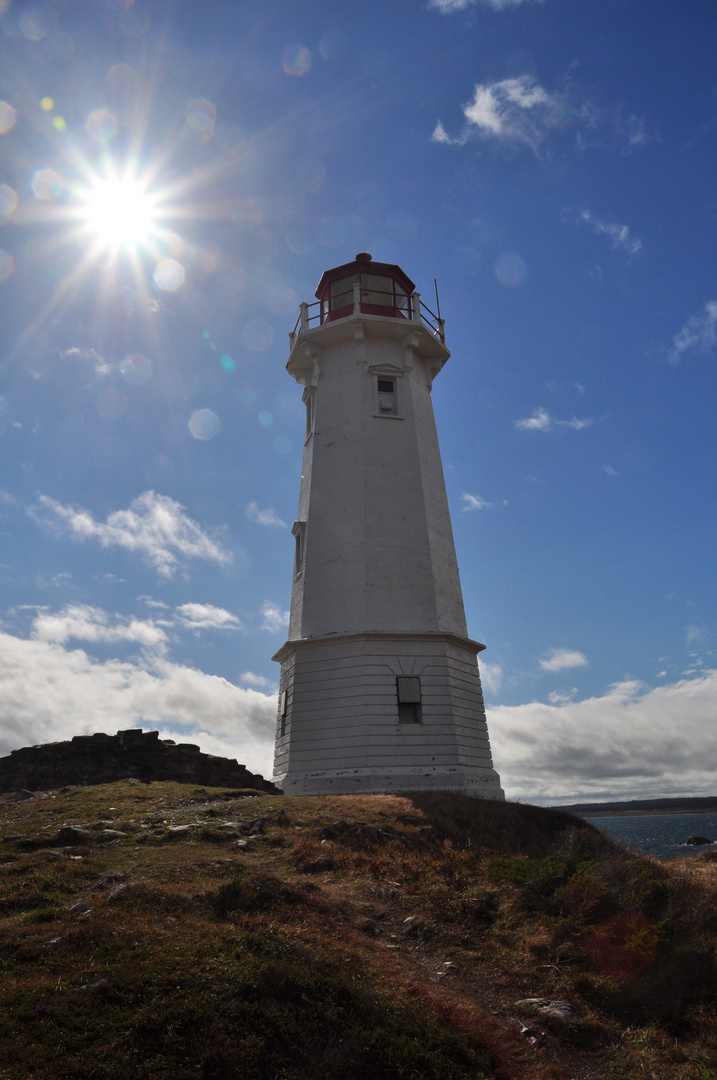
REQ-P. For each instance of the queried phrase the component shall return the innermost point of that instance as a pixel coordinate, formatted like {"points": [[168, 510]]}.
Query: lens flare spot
{"points": [[58, 46], [8, 117], [206, 335], [158, 469], [201, 117], [510, 269], [46, 184], [265, 418], [60, 123], [332, 44], [8, 201], [230, 137], [100, 125], [136, 368], [204, 424], [227, 364], [169, 275], [133, 21], [111, 404], [7, 265], [258, 334], [47, 104], [37, 23], [296, 60]]}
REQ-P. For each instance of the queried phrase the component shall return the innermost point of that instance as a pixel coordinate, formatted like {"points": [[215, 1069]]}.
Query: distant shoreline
{"points": [[642, 807]]}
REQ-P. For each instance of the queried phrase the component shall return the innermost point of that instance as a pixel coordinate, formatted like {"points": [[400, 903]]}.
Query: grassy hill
{"points": [[156, 931]]}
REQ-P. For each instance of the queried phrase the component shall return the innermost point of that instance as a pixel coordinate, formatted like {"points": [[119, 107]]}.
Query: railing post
{"points": [[304, 309], [442, 330], [357, 297], [416, 308]]}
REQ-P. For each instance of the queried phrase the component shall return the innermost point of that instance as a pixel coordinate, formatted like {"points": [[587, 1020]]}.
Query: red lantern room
{"points": [[383, 289], [365, 287]]}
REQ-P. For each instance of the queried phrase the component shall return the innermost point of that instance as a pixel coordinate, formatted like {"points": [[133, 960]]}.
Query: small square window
{"points": [[408, 692]]}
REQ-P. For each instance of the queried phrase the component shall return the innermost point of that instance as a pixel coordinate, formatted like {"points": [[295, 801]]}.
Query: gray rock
{"points": [[696, 841], [79, 909], [563, 1010]]}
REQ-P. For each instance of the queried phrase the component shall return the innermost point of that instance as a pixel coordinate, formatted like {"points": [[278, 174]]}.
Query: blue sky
{"points": [[552, 165]]}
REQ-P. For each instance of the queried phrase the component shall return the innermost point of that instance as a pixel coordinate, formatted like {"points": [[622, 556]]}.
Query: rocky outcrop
{"points": [[100, 759]]}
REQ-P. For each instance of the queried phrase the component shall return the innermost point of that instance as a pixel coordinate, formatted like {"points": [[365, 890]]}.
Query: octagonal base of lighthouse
{"points": [[343, 728]]}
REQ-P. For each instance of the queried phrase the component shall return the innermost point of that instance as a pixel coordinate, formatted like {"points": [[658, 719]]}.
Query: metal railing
{"points": [[360, 301]]}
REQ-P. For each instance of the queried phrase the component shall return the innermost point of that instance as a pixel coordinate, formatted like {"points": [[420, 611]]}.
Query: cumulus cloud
{"points": [[561, 659], [633, 741], [264, 517], [48, 692], [543, 421], [516, 110], [253, 679], [154, 526], [85, 623], [474, 502], [207, 617], [699, 332], [274, 618], [619, 236], [446, 7]]}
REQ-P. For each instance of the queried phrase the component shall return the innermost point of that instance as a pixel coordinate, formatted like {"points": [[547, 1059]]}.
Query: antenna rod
{"points": [[438, 303]]}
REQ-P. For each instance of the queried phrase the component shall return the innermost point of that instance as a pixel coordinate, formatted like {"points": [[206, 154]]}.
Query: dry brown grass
{"points": [[277, 950]]}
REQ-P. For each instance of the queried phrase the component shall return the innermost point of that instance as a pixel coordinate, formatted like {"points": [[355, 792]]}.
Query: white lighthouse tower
{"points": [[379, 688]]}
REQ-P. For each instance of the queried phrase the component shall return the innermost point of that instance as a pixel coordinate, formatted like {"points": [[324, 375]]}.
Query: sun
{"points": [[119, 212]]}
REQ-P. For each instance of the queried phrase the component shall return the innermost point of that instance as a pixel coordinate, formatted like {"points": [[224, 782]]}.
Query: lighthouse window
{"points": [[298, 530], [309, 399], [408, 692], [386, 394], [342, 292]]}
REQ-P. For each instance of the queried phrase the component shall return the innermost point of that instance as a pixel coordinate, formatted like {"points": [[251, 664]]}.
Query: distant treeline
{"points": [[668, 806]]}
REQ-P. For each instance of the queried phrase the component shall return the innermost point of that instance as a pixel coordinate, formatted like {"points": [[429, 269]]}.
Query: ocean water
{"points": [[660, 835]]}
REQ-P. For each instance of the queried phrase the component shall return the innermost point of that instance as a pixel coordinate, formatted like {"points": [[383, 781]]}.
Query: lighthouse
{"points": [[379, 689]]}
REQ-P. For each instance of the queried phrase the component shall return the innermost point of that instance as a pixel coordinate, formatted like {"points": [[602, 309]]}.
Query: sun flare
{"points": [[119, 212]]}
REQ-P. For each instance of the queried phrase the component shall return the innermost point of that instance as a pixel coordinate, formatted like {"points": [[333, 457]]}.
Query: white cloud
{"points": [[699, 332], [491, 676], [154, 525], [539, 421], [634, 741], [87, 623], [474, 502], [609, 470], [619, 236], [207, 617], [48, 693], [274, 618], [560, 659], [543, 421], [446, 7], [517, 110], [253, 679], [264, 517]]}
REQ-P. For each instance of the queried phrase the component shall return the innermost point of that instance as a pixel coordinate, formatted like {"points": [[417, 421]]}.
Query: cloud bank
{"points": [[154, 526], [49, 693], [634, 741]]}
